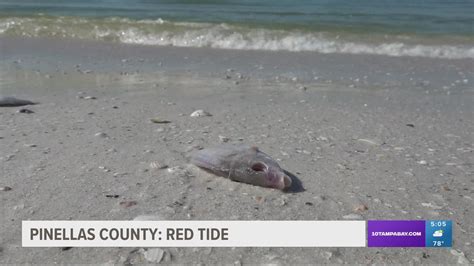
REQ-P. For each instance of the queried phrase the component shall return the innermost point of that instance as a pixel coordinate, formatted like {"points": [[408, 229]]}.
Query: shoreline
{"points": [[349, 70], [400, 147]]}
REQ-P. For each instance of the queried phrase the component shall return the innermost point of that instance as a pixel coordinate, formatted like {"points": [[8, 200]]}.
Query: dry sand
{"points": [[392, 134]]}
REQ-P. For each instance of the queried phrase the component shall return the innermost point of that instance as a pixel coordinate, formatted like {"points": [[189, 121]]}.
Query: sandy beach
{"points": [[366, 136]]}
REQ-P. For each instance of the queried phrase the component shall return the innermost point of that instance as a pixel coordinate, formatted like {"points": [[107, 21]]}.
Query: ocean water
{"points": [[427, 28]]}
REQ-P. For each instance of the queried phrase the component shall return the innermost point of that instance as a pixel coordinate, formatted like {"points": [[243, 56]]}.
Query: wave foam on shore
{"points": [[225, 36]]}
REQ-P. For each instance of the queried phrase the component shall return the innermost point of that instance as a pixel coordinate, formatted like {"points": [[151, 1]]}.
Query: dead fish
{"points": [[242, 163], [12, 102]]}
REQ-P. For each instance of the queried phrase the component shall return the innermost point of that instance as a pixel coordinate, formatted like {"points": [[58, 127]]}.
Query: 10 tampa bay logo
{"points": [[409, 233]]}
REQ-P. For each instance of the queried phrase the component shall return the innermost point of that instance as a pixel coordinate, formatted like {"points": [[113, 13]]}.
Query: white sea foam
{"points": [[222, 36]]}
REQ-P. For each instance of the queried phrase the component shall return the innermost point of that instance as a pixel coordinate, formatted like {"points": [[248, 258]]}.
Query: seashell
{"points": [[200, 113]]}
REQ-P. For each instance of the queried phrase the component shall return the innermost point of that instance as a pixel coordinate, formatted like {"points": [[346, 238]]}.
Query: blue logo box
{"points": [[439, 233]]}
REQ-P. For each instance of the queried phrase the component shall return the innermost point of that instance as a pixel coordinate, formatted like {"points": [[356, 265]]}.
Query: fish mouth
{"points": [[284, 183]]}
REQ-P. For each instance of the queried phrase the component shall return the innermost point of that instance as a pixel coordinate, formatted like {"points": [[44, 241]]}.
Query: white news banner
{"points": [[193, 233]]}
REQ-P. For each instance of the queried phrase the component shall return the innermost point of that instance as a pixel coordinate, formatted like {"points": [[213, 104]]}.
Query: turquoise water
{"points": [[432, 28]]}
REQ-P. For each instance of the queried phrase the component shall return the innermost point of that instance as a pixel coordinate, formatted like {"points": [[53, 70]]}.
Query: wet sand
{"points": [[391, 134]]}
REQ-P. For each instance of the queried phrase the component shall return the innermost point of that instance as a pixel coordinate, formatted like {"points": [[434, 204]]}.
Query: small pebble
{"points": [[423, 162], [89, 98], [112, 196], [101, 135], [223, 138]]}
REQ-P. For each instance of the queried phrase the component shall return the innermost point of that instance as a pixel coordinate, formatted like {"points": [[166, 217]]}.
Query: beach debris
{"points": [[101, 135], [410, 125], [445, 187], [128, 203], [200, 113], [431, 205], [25, 111], [461, 257], [66, 248], [175, 169], [158, 165], [9, 157], [322, 138], [20, 206], [352, 216], [105, 169], [327, 255], [242, 163], [9, 101], [368, 141], [159, 121], [308, 203], [89, 98], [259, 199], [119, 174], [112, 196], [361, 208], [154, 255], [223, 138], [5, 188], [282, 201]]}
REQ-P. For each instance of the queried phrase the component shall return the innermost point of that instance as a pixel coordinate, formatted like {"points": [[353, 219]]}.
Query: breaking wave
{"points": [[225, 36]]}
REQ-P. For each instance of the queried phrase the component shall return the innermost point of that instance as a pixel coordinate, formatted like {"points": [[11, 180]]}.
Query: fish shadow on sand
{"points": [[296, 185]]}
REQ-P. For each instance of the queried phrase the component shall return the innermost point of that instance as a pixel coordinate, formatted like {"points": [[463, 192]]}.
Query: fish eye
{"points": [[259, 167]]}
